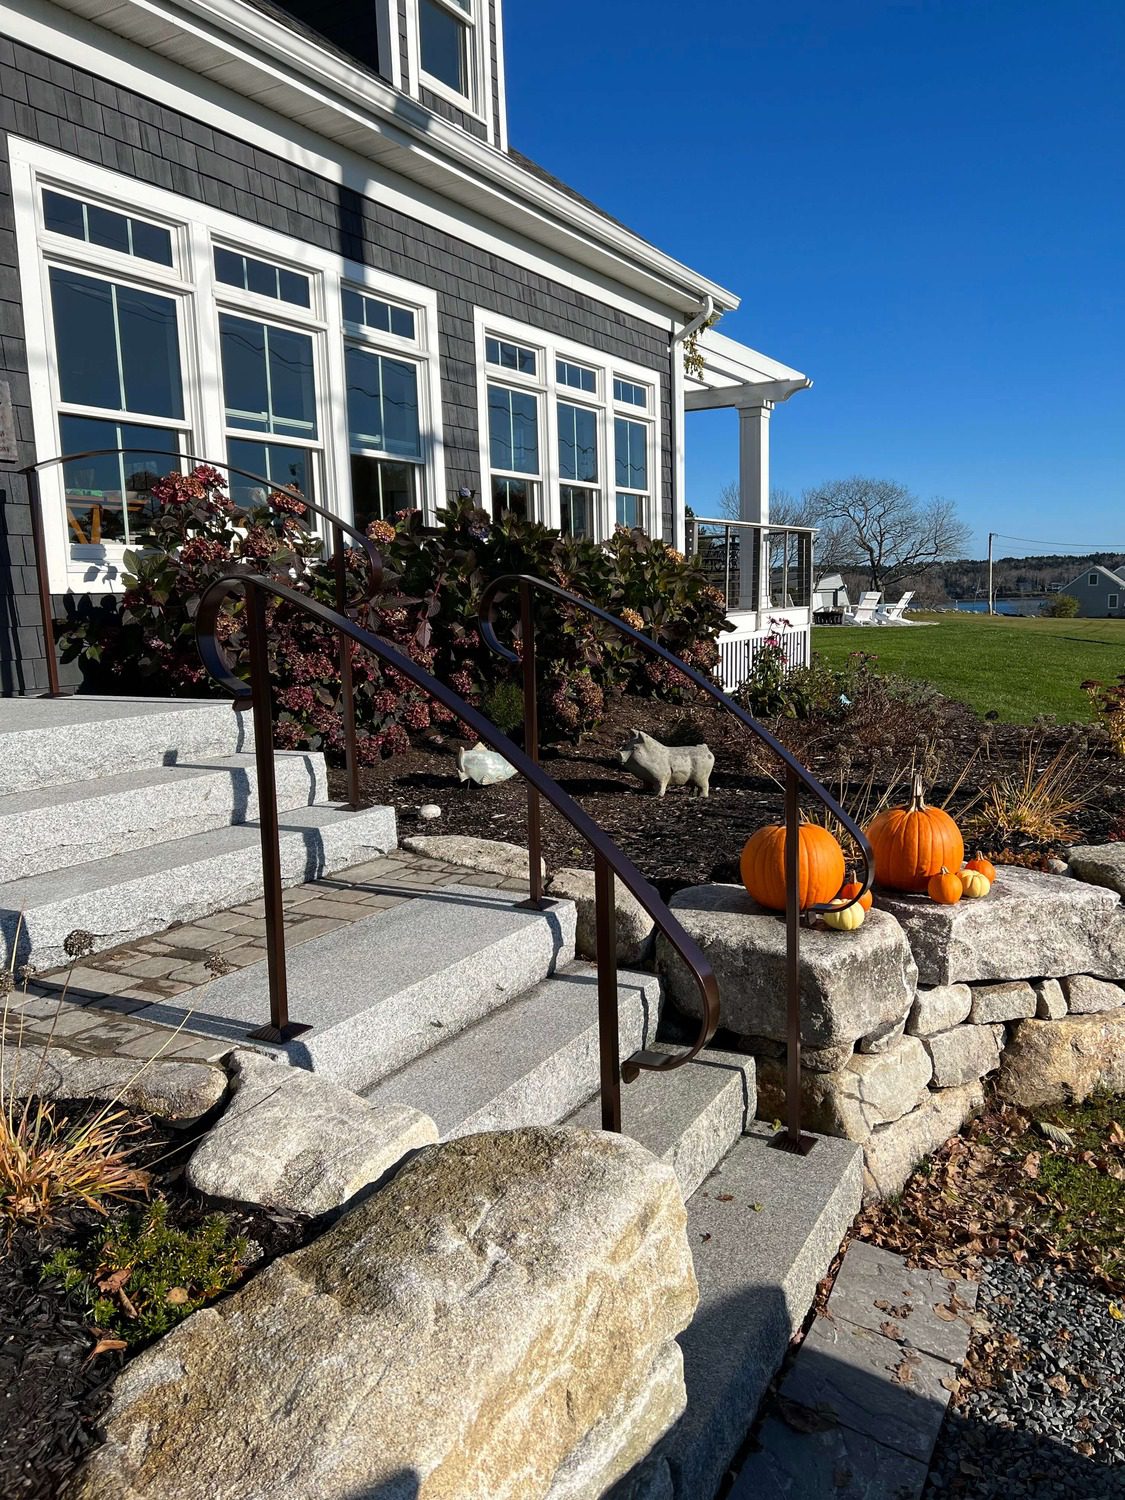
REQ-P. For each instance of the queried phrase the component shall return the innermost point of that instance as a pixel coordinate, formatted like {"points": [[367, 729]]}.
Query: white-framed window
{"points": [[169, 329], [450, 50], [1111, 601], [385, 375], [569, 436], [1094, 580], [634, 454]]}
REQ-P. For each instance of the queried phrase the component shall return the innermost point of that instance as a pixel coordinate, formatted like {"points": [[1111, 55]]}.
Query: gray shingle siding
{"points": [[97, 122]]}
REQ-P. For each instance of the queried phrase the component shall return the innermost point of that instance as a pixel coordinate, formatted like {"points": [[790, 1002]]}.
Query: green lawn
{"points": [[1019, 668]]}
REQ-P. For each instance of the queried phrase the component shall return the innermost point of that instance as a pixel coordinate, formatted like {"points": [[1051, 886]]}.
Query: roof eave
{"points": [[287, 73]]}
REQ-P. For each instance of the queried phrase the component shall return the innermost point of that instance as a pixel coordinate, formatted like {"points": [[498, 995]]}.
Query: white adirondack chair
{"points": [[896, 610], [866, 611]]}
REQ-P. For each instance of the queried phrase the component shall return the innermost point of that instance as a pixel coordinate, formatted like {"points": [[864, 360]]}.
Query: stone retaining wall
{"points": [[903, 1020]]}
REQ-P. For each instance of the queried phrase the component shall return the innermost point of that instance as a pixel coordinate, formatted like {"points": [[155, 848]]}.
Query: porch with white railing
{"points": [[765, 575], [763, 571]]}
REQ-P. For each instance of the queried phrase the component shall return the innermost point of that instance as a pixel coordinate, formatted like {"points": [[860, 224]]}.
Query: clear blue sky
{"points": [[920, 202]]}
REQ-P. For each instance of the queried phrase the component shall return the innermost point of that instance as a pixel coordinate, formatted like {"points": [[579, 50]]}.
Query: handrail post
{"points": [[280, 1028], [609, 1040], [45, 611], [347, 693], [531, 744], [793, 1140]]}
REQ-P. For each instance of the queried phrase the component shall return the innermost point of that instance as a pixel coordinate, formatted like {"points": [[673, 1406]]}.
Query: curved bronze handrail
{"points": [[340, 529], [609, 859], [796, 776]]}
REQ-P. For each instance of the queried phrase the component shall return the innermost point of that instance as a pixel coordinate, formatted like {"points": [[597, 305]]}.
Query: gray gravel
{"points": [[1023, 1438]]}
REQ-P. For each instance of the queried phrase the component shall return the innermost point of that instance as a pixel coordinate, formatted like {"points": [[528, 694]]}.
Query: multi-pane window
{"points": [[446, 44], [378, 315], [578, 377], [509, 356], [385, 427], [514, 454], [164, 333], [262, 277], [632, 454], [94, 225], [571, 441], [119, 379], [578, 468]]}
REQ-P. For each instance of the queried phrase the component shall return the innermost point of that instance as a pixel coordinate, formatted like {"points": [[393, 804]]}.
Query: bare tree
{"points": [[785, 509], [883, 529]]}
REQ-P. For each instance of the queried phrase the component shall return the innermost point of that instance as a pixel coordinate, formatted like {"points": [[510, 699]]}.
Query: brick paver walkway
{"points": [[98, 1006]]}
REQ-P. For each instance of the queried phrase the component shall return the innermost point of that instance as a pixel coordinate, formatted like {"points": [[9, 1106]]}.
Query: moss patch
{"points": [[1048, 1184]]}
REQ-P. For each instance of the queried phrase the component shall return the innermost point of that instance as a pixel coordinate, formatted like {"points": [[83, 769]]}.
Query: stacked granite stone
{"points": [[902, 1020]]}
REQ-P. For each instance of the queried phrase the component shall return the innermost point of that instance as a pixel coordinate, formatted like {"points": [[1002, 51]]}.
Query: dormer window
{"points": [[446, 45]]}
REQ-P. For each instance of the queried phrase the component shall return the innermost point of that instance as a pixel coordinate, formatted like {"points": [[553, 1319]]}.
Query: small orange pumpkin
{"points": [[820, 862], [984, 866], [945, 888], [853, 888], [912, 843]]}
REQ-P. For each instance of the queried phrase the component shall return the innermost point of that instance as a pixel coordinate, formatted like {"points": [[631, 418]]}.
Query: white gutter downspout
{"points": [[679, 476]]}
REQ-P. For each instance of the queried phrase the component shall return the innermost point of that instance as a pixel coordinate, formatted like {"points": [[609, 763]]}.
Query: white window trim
{"points": [[488, 324], [194, 228], [1112, 601], [477, 105]]}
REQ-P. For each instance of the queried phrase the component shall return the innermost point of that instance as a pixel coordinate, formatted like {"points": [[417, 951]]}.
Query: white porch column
{"points": [[754, 494]]}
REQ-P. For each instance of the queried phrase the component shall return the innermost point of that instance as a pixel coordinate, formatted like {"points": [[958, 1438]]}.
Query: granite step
{"points": [[531, 1063], [763, 1228], [380, 992], [52, 741], [121, 897], [690, 1116], [55, 827]]}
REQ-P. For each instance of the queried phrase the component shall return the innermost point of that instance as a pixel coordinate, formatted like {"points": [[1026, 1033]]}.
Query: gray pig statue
{"points": [[661, 766]]}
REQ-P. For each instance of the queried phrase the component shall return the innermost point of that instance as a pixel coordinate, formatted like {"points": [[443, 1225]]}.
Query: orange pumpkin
{"points": [[945, 888], [985, 867], [912, 843], [853, 888], [820, 862]]}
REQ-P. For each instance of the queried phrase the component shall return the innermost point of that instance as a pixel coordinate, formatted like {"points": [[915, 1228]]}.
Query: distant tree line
{"points": [[879, 535]]}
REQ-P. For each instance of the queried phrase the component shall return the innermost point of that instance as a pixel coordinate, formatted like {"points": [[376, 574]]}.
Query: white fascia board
{"points": [[740, 363], [260, 59]]}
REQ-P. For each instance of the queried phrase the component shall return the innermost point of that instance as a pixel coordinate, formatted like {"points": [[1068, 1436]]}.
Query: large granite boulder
{"points": [[964, 1054], [1100, 864], [1029, 926], [465, 1331], [853, 984], [893, 1151], [293, 1140], [634, 925], [870, 1090], [1054, 1062]]}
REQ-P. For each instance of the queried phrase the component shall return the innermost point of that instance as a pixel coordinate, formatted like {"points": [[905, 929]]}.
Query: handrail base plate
{"points": [[783, 1141], [278, 1033]]}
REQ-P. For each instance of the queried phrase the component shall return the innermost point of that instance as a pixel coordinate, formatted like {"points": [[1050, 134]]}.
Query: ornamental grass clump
{"points": [[1037, 801], [1108, 699]]}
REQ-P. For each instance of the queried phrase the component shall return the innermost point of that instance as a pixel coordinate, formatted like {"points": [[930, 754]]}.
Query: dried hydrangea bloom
{"points": [[79, 943]]}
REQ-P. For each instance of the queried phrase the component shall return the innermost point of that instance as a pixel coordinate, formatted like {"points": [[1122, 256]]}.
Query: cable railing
{"points": [[609, 862], [796, 777], [339, 530]]}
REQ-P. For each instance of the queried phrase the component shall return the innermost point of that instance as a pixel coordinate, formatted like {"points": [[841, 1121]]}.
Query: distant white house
{"points": [[1100, 593]]}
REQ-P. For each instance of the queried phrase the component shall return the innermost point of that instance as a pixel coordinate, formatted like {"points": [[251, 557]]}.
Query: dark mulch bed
{"points": [[683, 840], [52, 1392]]}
